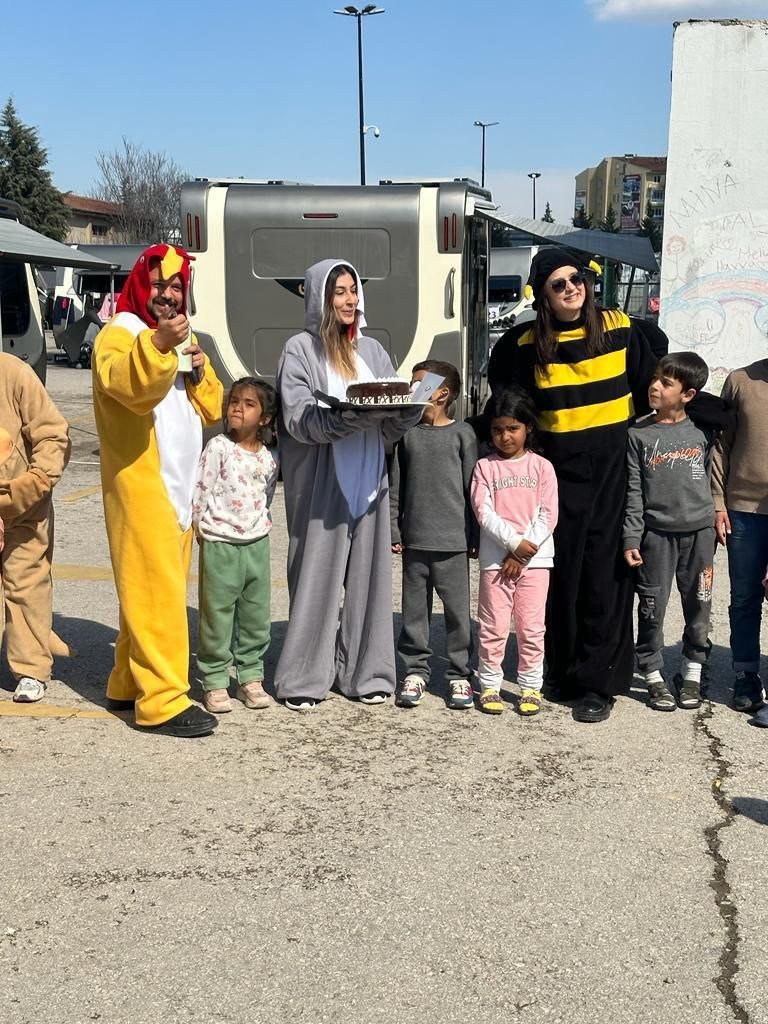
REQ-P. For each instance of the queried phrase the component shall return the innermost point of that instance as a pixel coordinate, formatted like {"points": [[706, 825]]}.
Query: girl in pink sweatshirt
{"points": [[514, 497]]}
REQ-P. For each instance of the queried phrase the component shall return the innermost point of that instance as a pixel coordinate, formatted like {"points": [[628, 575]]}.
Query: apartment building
{"points": [[628, 183]]}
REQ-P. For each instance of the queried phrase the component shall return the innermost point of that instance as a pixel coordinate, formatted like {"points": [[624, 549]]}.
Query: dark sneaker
{"points": [[748, 692], [761, 718], [461, 694], [688, 693], [113, 704], [377, 697], [660, 697], [193, 721], [300, 703], [411, 692]]}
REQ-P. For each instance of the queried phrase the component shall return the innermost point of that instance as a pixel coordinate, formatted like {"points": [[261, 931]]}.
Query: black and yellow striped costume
{"points": [[584, 401], [585, 404]]}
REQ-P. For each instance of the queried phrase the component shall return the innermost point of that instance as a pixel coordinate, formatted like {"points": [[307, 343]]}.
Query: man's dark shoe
{"points": [[748, 692], [592, 707], [193, 721], [111, 704]]}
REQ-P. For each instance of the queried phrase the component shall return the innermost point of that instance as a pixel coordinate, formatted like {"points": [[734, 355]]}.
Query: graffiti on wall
{"points": [[715, 275]]}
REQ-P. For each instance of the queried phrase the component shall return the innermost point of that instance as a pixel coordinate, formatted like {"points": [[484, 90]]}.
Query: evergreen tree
{"points": [[582, 219], [548, 215], [25, 179], [609, 222], [650, 228]]}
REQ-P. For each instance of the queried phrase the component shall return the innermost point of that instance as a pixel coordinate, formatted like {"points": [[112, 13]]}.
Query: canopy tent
{"points": [[20, 244], [624, 248]]}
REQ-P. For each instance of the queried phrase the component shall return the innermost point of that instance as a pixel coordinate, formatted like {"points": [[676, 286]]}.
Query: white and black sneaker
{"points": [[29, 690]]}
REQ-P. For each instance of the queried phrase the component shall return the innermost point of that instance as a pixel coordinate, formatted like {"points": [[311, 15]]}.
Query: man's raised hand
{"points": [[170, 331]]}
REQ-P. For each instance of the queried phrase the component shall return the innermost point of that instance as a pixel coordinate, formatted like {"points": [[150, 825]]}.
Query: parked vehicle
{"points": [[21, 327], [421, 249], [80, 308]]}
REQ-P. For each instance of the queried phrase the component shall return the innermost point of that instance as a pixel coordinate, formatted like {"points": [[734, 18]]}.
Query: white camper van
{"points": [[421, 249], [21, 328]]}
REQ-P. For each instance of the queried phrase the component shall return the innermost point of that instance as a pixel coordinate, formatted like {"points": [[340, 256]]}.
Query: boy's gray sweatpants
{"points": [[448, 574], [686, 557]]}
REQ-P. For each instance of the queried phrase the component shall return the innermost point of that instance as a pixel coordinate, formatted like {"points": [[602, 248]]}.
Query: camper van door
{"points": [[21, 328]]}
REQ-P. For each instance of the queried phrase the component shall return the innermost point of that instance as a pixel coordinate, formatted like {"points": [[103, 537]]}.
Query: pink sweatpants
{"points": [[526, 599]]}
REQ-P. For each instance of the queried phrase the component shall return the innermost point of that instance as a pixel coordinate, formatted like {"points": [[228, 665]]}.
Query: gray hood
{"points": [[314, 290]]}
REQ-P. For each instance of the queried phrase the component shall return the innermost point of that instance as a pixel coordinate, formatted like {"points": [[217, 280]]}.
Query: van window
{"points": [[505, 288], [287, 252], [14, 298]]}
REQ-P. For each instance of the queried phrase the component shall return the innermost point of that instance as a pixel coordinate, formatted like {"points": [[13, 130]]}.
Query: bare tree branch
{"points": [[146, 185]]}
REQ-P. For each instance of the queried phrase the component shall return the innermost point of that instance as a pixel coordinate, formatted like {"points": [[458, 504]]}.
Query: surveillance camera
{"points": [[376, 133]]}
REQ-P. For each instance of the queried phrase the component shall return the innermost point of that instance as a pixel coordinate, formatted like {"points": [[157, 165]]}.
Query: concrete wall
{"points": [[714, 285]]}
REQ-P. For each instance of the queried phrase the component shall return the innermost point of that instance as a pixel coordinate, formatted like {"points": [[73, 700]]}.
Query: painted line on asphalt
{"points": [[83, 492], [72, 573], [10, 710], [86, 573]]}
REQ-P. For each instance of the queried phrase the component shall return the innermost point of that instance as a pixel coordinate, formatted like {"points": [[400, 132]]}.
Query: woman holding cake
{"points": [[336, 499]]}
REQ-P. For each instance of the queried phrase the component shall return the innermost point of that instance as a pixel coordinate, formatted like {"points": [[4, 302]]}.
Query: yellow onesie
{"points": [[149, 417]]}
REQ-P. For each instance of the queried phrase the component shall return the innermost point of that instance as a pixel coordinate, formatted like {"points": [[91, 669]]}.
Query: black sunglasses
{"points": [[576, 280]]}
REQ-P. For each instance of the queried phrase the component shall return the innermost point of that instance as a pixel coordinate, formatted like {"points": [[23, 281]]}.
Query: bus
{"points": [[421, 249]]}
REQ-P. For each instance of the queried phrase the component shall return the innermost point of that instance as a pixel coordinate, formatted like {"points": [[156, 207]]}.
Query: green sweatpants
{"points": [[234, 593]]}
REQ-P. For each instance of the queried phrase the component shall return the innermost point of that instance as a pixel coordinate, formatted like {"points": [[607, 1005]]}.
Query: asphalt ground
{"points": [[362, 864]]}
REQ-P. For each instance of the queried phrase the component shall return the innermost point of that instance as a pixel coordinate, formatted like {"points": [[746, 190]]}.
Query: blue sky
{"points": [[269, 90]]}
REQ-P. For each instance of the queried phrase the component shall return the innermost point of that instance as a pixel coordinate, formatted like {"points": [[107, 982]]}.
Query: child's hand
{"points": [[525, 551], [397, 549], [633, 557], [510, 568]]}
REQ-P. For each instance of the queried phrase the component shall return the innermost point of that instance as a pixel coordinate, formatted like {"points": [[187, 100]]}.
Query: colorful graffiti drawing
{"points": [[723, 317]]}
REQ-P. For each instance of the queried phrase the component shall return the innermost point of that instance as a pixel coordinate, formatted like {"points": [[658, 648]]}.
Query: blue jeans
{"points": [[747, 561]]}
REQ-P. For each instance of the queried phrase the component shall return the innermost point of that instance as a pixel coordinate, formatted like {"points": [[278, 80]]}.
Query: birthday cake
{"points": [[384, 391]]}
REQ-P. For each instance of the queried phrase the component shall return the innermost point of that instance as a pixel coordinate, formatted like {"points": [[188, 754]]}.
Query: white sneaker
{"points": [[29, 690]]}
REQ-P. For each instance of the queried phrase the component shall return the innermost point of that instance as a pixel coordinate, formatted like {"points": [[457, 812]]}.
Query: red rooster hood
{"points": [[136, 292]]}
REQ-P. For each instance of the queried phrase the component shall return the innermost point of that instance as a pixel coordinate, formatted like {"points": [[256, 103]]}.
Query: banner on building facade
{"points": [[630, 203], [580, 204]]}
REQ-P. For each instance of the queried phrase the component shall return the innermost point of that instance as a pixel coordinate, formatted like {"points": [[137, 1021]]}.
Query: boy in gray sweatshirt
{"points": [[669, 527], [433, 527]]}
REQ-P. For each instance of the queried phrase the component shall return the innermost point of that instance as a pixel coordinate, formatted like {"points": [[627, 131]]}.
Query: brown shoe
{"points": [[253, 696], [217, 702]]}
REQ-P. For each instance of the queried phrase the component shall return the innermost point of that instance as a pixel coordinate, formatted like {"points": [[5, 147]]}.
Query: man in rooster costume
{"points": [[150, 418]]}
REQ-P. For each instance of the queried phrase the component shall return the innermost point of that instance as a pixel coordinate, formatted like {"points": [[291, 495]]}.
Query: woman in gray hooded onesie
{"points": [[336, 500]]}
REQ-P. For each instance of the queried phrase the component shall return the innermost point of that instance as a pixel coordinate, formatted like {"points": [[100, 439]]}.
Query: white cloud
{"points": [[677, 10]]}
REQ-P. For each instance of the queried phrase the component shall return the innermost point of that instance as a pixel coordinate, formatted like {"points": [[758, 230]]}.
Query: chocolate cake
{"points": [[384, 391]]}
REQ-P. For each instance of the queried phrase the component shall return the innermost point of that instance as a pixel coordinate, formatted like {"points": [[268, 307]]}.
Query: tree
{"points": [[146, 186], [548, 215], [582, 219], [650, 228], [609, 222], [25, 179]]}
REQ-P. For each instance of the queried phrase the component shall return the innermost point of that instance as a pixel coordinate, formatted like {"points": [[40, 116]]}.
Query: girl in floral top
{"points": [[230, 513]]}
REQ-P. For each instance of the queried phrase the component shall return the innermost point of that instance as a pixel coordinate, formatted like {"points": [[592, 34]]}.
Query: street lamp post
{"points": [[533, 176], [354, 12], [483, 125]]}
